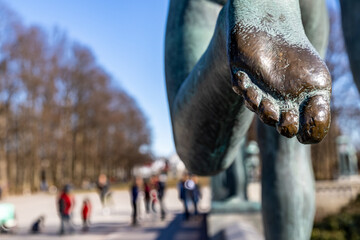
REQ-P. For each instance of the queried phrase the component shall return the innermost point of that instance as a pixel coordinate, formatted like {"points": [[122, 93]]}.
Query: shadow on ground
{"points": [[176, 229], [179, 228]]}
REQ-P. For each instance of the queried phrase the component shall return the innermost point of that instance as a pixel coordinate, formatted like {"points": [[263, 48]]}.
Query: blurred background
{"points": [[82, 91]]}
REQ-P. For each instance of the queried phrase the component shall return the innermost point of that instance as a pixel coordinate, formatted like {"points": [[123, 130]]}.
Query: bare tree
{"points": [[60, 114]]}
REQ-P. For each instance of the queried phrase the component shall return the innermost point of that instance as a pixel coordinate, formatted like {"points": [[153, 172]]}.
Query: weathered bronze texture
{"points": [[225, 61]]}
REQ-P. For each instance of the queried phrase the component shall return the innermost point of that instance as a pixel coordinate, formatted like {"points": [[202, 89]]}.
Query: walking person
{"points": [[65, 204], [195, 193], [135, 189], [103, 187], [147, 197], [183, 195], [161, 186], [85, 213], [153, 192], [192, 193]]}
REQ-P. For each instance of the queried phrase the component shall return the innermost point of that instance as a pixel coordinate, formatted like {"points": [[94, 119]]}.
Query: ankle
{"points": [[282, 18]]}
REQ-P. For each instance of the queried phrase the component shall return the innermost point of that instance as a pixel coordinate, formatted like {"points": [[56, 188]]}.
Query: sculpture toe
{"points": [[240, 81], [252, 99], [289, 123], [314, 120], [268, 112]]}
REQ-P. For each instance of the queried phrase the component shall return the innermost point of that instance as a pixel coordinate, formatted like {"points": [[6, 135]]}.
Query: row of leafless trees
{"points": [[345, 106], [60, 113]]}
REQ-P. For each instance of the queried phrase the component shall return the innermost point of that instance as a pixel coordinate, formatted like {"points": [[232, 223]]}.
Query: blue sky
{"points": [[127, 37]]}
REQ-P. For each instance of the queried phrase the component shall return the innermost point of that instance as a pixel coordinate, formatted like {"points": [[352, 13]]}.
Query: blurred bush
{"points": [[343, 226]]}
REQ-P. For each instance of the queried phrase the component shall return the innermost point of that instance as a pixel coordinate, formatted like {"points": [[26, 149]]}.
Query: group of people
{"points": [[150, 192], [189, 193], [66, 204], [153, 191]]}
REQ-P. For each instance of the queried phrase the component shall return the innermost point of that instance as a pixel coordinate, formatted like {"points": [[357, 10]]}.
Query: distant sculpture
{"points": [[348, 162], [252, 161], [264, 51], [229, 188]]}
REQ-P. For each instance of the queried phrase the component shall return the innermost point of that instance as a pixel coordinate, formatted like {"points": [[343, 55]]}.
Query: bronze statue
{"points": [[225, 61]]}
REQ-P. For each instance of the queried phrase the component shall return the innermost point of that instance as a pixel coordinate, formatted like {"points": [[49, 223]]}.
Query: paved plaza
{"points": [[113, 223], [106, 224]]}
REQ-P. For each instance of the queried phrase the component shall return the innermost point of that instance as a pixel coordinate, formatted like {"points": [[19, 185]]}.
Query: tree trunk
{"points": [[324, 155]]}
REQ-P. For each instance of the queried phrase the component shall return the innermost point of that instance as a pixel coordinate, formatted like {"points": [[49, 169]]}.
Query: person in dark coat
{"points": [[183, 194], [147, 197], [161, 186], [66, 205], [103, 187], [135, 189], [195, 193]]}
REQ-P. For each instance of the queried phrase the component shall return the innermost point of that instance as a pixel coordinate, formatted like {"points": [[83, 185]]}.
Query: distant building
{"points": [[173, 166]]}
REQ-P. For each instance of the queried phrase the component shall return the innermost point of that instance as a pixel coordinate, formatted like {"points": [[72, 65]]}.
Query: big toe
{"points": [[315, 120]]}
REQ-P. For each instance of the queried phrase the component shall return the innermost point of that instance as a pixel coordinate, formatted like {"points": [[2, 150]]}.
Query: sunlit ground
{"points": [[111, 223]]}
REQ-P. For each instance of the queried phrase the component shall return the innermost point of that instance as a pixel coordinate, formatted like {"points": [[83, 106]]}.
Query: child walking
{"points": [[86, 211]]}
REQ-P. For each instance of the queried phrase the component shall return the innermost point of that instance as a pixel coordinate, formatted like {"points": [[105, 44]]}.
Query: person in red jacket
{"points": [[66, 204], [86, 211]]}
